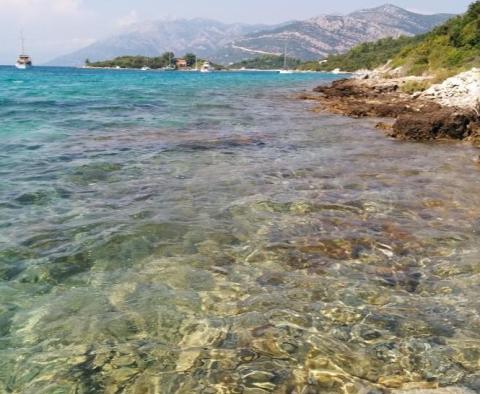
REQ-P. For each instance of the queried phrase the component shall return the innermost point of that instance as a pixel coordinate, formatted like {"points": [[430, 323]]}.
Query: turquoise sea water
{"points": [[209, 233]]}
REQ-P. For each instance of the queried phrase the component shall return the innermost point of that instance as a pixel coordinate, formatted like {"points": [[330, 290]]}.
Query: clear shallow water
{"points": [[188, 233]]}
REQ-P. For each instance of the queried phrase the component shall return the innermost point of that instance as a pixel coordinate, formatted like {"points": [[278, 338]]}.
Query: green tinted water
{"points": [[186, 233]]}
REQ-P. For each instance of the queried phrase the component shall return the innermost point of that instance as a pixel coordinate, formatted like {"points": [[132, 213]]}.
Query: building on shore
{"points": [[181, 64]]}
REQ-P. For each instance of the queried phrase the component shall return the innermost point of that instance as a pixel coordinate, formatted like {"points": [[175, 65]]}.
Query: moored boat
{"points": [[169, 66], [206, 67], [23, 61], [285, 69]]}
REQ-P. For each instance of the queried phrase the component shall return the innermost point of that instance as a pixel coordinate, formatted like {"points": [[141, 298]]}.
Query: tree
{"points": [[168, 58], [191, 58]]}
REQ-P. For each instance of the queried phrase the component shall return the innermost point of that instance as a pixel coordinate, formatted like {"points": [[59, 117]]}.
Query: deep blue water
{"points": [[203, 233]]}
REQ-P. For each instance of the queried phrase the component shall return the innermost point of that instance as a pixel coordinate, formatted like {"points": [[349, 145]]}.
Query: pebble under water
{"points": [[187, 233]]}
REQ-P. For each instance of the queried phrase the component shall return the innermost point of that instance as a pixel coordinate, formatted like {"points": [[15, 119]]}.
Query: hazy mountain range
{"points": [[226, 43]]}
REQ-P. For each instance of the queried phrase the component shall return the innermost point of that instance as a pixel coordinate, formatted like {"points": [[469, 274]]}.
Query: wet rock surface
{"points": [[416, 118]]}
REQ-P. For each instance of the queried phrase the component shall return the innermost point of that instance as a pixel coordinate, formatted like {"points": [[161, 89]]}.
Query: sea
{"points": [[179, 232]]}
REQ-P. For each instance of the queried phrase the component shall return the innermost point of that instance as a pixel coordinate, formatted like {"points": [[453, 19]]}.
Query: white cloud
{"points": [[129, 19], [66, 6], [27, 8]]}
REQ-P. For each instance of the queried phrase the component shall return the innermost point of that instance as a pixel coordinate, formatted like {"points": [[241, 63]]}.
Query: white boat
{"points": [[23, 61], [145, 68], [196, 64], [169, 66], [285, 69], [206, 68]]}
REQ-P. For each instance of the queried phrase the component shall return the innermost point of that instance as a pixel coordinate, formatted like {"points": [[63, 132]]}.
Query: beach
{"points": [[179, 232]]}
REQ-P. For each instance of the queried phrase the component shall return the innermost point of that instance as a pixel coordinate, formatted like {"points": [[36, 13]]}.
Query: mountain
{"points": [[227, 43], [201, 36], [321, 36], [398, 18], [448, 49]]}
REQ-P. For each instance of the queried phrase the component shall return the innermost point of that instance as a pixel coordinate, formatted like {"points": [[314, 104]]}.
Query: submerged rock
{"points": [[447, 390]]}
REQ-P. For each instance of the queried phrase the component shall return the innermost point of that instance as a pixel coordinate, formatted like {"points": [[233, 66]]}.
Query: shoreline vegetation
{"points": [[192, 63], [167, 60]]}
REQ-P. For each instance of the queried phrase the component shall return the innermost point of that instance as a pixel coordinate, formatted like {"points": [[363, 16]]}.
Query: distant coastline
{"points": [[190, 62], [224, 70]]}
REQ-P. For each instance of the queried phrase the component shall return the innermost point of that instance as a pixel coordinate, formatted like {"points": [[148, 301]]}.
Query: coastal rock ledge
{"points": [[450, 110]]}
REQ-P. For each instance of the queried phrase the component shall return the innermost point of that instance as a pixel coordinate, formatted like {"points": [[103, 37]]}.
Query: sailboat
{"points": [[23, 61], [196, 64], [170, 66], [285, 69]]}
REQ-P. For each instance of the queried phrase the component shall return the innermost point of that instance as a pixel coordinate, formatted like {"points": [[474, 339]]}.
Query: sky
{"points": [[56, 27]]}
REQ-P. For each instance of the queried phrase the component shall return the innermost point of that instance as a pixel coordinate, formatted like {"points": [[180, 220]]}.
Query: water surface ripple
{"points": [[187, 233]]}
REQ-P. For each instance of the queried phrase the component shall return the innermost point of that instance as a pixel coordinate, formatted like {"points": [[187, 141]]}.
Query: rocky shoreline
{"points": [[418, 117]]}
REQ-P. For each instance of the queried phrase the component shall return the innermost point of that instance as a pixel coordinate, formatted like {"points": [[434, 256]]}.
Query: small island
{"points": [[191, 62], [166, 61]]}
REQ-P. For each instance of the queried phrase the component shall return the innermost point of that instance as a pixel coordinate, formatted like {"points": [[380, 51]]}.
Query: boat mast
{"points": [[22, 40], [285, 57]]}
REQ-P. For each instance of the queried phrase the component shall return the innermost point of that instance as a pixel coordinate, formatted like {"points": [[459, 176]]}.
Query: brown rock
{"points": [[417, 119], [384, 126], [443, 123]]}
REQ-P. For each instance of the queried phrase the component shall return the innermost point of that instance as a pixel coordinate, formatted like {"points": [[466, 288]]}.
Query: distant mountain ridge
{"points": [[226, 43], [324, 35], [202, 36]]}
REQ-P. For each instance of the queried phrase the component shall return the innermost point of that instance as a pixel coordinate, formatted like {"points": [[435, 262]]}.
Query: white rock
{"points": [[462, 90]]}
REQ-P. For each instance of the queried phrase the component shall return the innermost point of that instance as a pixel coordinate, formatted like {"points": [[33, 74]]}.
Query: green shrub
{"points": [[368, 55], [267, 62], [454, 46], [411, 87]]}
